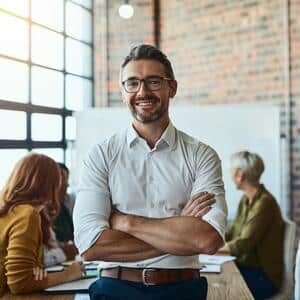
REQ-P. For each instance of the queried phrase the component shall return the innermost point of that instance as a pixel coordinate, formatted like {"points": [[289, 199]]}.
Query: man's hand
{"points": [[199, 205], [118, 220]]}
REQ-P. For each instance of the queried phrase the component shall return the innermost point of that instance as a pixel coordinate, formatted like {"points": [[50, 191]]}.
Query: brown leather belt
{"points": [[151, 276]]}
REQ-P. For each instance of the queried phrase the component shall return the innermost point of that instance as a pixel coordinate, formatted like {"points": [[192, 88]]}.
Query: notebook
{"points": [[76, 286]]}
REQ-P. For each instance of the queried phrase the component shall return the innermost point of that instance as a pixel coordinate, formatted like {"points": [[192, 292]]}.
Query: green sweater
{"points": [[255, 236]]}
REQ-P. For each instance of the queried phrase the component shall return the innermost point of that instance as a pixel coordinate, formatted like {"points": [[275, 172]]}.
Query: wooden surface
{"points": [[38, 297], [228, 285]]}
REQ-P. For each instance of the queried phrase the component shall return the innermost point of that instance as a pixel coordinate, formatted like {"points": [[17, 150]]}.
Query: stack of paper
{"points": [[210, 269], [77, 286], [215, 259], [82, 297], [212, 263]]}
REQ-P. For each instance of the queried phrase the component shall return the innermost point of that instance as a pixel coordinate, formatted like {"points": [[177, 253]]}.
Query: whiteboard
{"points": [[227, 128]]}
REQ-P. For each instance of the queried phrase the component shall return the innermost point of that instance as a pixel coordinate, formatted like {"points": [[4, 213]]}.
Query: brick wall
{"points": [[113, 44], [295, 94], [225, 51], [222, 51]]}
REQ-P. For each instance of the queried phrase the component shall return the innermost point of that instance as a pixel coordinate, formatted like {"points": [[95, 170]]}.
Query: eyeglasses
{"points": [[153, 83]]}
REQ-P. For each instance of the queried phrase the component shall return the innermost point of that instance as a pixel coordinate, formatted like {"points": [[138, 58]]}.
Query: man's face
{"points": [[145, 105]]}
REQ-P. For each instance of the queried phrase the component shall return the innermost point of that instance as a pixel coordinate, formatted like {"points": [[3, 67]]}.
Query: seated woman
{"points": [[28, 198], [63, 223], [61, 246], [255, 236]]}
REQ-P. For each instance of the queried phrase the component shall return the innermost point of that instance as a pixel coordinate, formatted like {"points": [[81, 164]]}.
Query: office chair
{"points": [[297, 274], [286, 292]]}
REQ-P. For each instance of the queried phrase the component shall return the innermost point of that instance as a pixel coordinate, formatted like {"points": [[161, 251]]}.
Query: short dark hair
{"points": [[149, 52]]}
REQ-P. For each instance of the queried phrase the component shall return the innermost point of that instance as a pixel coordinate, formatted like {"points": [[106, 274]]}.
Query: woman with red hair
{"points": [[29, 201]]}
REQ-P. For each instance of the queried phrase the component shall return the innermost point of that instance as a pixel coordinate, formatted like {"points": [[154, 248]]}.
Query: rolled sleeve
{"points": [[208, 178], [93, 205]]}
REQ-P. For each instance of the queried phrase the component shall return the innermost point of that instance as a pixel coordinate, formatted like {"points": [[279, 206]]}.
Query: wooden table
{"points": [[228, 285]]}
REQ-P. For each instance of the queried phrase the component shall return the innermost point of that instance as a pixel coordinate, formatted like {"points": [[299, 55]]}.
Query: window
{"points": [[46, 73]]}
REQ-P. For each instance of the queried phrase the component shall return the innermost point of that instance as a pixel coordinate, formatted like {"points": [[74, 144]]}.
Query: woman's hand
{"points": [[224, 250], [39, 273], [75, 271], [69, 249]]}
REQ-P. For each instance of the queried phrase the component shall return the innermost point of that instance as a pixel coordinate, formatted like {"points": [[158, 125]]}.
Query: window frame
{"points": [[29, 108]]}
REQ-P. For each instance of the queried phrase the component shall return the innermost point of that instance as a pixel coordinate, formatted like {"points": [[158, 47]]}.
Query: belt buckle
{"points": [[144, 276]]}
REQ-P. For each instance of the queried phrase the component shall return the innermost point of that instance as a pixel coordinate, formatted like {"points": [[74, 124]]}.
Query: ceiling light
{"points": [[126, 10]]}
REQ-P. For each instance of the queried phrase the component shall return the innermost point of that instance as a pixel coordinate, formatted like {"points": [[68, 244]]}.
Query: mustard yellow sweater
{"points": [[20, 250]]}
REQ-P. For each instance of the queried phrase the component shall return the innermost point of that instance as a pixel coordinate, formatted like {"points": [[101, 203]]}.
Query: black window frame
{"points": [[29, 108]]}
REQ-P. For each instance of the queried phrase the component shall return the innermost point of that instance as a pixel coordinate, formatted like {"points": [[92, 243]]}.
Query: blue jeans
{"points": [[258, 282], [115, 289]]}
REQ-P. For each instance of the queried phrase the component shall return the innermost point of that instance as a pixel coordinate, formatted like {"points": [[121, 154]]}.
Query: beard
{"points": [[148, 119], [151, 117]]}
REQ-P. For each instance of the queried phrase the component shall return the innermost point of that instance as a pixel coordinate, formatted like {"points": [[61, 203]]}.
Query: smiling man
{"points": [[151, 197]]}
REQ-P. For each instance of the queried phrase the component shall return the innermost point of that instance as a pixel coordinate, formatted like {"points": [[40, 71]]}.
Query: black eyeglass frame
{"points": [[144, 80]]}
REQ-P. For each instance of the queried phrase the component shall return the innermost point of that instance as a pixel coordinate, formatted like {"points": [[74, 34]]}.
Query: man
{"points": [[151, 197]]}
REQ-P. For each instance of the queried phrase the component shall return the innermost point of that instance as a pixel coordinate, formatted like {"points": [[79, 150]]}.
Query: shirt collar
{"points": [[168, 136], [260, 190], [132, 135]]}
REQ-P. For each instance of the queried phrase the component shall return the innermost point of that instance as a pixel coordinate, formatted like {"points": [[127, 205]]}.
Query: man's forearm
{"points": [[114, 245], [176, 235]]}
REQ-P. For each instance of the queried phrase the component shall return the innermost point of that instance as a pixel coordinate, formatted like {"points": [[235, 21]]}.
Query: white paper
{"points": [[86, 263], [91, 267], [82, 297], [210, 269], [82, 284], [55, 269], [215, 259]]}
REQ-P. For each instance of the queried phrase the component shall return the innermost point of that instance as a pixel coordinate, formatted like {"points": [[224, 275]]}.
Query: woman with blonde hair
{"points": [[29, 200], [255, 236]]}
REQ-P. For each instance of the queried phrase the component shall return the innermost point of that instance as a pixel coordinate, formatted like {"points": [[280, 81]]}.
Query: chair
{"points": [[297, 274], [286, 292]]}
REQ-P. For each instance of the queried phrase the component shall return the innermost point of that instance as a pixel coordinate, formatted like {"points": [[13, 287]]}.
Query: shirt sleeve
{"points": [[254, 229], [93, 205], [208, 177], [23, 254]]}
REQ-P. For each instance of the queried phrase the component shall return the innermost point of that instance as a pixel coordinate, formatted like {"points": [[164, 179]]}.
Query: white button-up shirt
{"points": [[157, 183]]}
